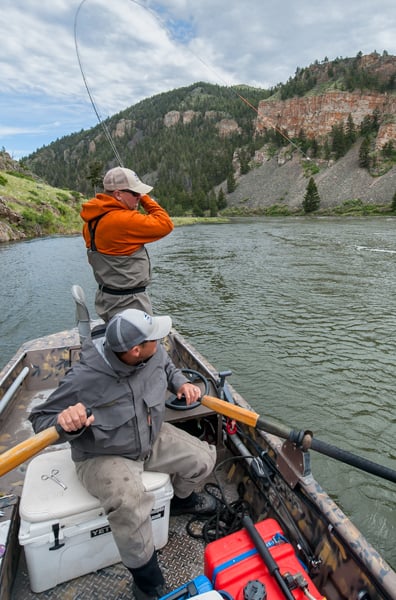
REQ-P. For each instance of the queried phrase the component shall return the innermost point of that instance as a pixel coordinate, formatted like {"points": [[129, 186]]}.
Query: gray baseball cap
{"points": [[131, 327]]}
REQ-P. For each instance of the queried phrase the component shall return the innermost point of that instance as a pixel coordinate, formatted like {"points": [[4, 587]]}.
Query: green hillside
{"points": [[29, 207], [187, 160], [184, 161], [197, 145]]}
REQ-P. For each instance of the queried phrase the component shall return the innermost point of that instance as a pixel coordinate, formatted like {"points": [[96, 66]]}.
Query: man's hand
{"points": [[74, 418], [191, 392]]}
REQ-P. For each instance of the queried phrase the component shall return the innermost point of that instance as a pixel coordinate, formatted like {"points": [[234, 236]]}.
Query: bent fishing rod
{"points": [[233, 89]]}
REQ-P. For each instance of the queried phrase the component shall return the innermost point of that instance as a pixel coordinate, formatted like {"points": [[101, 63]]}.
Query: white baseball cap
{"points": [[120, 178]]}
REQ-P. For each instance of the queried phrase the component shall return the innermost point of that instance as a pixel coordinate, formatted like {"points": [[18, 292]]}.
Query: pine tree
{"points": [[311, 200], [366, 125], [314, 148], [350, 130], [364, 154], [231, 185], [326, 149], [221, 200], [338, 141], [212, 204], [244, 158], [95, 170], [393, 205]]}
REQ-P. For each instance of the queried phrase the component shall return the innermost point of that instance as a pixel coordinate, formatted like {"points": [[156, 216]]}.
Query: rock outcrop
{"points": [[316, 115], [8, 217], [224, 126]]}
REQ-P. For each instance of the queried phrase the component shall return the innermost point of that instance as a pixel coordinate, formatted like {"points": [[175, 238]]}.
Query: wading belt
{"points": [[122, 292]]}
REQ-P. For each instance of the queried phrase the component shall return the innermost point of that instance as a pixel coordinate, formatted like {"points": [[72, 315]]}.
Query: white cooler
{"points": [[65, 532]]}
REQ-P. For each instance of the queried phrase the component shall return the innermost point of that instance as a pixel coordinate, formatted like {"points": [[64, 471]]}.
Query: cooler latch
{"points": [[55, 531]]}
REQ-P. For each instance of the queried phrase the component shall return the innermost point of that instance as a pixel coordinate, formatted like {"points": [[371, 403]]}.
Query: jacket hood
{"points": [[100, 205], [99, 357]]}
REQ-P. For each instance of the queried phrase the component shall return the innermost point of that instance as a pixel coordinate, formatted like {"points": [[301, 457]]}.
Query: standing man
{"points": [[115, 233], [123, 378]]}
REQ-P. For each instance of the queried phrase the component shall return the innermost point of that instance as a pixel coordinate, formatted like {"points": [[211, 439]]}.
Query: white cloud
{"points": [[131, 50]]}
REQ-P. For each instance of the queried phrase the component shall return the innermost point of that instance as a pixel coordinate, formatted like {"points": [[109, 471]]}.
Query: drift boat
{"points": [[276, 534]]}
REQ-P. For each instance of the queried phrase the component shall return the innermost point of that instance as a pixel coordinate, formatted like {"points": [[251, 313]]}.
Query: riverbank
{"points": [[30, 208]]}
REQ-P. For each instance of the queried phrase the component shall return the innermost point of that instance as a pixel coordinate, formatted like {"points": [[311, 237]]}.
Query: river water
{"points": [[301, 310]]}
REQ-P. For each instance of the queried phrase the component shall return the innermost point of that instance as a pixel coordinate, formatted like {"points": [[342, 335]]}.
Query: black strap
{"points": [[92, 225], [122, 292]]}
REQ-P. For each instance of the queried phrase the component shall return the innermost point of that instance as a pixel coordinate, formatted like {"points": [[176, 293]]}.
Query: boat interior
{"points": [[258, 476]]}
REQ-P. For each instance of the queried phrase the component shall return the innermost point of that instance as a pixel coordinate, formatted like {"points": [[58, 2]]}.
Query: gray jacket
{"points": [[128, 402]]}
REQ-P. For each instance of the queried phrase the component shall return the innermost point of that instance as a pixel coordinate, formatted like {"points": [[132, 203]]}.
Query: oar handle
{"points": [[33, 445], [18, 454], [304, 439], [246, 416], [230, 410]]}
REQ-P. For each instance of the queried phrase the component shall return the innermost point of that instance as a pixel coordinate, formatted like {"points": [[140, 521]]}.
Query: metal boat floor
{"points": [[181, 560]]}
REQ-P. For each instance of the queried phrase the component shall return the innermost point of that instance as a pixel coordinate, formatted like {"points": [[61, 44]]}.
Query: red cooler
{"points": [[233, 561]]}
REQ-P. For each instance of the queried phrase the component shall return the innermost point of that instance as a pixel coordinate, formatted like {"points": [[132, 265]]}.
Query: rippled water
{"points": [[301, 310]]}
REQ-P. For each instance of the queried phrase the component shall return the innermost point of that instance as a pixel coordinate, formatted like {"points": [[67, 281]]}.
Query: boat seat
{"points": [[82, 313]]}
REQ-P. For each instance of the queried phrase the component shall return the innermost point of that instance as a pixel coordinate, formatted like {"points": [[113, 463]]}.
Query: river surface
{"points": [[302, 311]]}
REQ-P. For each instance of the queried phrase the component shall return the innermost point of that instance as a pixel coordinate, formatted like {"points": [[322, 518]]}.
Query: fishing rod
{"points": [[101, 122]]}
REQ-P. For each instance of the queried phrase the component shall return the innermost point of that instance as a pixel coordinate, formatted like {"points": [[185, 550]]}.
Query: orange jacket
{"points": [[123, 231]]}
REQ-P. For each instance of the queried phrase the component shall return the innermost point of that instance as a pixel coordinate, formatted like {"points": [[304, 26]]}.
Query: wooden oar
{"points": [[33, 445], [245, 416], [249, 417], [18, 454]]}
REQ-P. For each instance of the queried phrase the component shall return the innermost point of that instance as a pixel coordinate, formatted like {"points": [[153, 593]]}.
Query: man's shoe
{"points": [[195, 504], [154, 594], [148, 581]]}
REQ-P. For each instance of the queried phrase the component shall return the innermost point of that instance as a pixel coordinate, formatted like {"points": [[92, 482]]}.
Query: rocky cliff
{"points": [[317, 115]]}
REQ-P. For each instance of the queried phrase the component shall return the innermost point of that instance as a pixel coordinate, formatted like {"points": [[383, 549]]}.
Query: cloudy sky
{"points": [[130, 50]]}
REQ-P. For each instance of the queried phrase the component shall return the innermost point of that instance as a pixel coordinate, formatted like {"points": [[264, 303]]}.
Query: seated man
{"points": [[123, 378]]}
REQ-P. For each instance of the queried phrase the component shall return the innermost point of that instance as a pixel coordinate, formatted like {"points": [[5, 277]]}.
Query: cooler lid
{"points": [[43, 498], [154, 480]]}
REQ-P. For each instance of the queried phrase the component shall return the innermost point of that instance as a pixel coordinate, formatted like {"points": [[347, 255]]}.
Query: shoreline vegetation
{"points": [[30, 208], [188, 221]]}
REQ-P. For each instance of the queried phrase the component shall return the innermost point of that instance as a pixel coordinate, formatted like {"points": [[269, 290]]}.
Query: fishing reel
{"points": [[180, 403]]}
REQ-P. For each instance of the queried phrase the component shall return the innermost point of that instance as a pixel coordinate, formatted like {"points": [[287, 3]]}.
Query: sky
{"points": [[57, 54]]}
